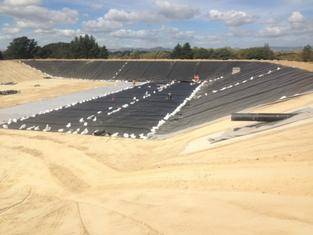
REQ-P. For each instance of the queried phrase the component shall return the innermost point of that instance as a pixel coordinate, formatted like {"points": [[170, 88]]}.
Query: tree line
{"points": [[259, 53], [185, 51], [86, 47], [80, 47]]}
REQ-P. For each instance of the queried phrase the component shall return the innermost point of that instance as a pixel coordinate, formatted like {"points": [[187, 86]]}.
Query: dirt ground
{"points": [[296, 64], [64, 184], [32, 87]]}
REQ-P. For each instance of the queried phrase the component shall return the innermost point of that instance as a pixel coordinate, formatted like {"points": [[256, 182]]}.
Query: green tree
{"points": [[104, 53], [186, 51], [149, 55], [40, 53], [86, 47], [21, 48], [223, 53], [259, 53], [268, 54], [135, 54], [177, 52], [307, 53], [163, 55], [58, 50], [200, 53], [1, 56], [120, 54]]}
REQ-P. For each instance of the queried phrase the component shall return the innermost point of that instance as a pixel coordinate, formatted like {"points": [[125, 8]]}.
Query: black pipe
{"points": [[9, 92], [261, 117]]}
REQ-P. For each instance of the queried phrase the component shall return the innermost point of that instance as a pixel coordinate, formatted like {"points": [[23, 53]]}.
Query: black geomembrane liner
{"points": [[219, 97], [136, 119]]}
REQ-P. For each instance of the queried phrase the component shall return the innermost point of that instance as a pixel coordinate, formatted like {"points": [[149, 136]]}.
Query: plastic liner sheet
{"points": [[236, 93], [224, 93], [132, 112], [141, 70]]}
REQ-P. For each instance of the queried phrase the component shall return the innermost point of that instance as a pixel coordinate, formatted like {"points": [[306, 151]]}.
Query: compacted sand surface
{"points": [[67, 184]]}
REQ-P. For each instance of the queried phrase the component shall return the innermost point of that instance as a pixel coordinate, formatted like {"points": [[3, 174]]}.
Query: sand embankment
{"points": [[65, 184], [295, 64]]}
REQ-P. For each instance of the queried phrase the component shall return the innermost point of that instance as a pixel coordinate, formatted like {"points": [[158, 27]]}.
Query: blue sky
{"points": [[152, 23]]}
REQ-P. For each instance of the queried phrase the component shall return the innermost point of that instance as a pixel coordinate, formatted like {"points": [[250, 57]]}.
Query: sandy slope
{"points": [[65, 184], [296, 64], [33, 87], [15, 71]]}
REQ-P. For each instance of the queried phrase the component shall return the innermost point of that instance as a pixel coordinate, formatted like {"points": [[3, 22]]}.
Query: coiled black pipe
{"points": [[261, 117]]}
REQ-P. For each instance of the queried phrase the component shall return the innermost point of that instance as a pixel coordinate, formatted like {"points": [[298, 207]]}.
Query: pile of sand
{"points": [[16, 71]]}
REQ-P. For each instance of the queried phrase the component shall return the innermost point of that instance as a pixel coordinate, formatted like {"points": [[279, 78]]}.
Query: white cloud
{"points": [[41, 15], [299, 1], [295, 26], [34, 16], [129, 33], [163, 36], [130, 16], [273, 31], [122, 24], [60, 32], [69, 32], [232, 17], [176, 34], [21, 2], [115, 19], [11, 30], [101, 25], [296, 19], [121, 15], [175, 11]]}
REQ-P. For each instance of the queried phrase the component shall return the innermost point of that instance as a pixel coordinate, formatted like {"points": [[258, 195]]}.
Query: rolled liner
{"points": [[261, 117]]}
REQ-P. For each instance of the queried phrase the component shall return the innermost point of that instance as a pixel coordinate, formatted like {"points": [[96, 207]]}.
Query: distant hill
{"points": [[140, 49], [286, 49], [276, 49]]}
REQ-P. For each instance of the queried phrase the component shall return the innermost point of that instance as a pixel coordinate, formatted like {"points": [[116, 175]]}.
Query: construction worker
{"points": [[196, 78], [169, 96]]}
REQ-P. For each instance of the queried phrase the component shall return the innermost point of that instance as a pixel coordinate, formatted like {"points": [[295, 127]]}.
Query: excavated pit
{"points": [[145, 111]]}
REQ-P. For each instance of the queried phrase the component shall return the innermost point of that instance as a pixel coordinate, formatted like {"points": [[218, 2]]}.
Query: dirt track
{"points": [[65, 184]]}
